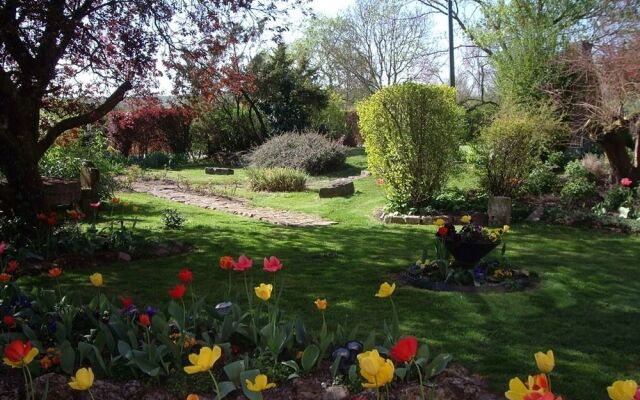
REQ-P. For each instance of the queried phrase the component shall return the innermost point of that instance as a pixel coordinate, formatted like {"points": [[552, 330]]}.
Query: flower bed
{"points": [[457, 266]]}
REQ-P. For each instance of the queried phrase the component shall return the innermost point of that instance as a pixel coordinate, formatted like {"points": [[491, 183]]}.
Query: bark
{"points": [[614, 144]]}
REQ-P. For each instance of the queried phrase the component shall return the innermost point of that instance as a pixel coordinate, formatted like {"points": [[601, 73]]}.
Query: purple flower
{"points": [[151, 311]]}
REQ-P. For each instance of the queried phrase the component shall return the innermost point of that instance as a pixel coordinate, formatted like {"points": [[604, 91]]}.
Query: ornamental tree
{"points": [[77, 59]]}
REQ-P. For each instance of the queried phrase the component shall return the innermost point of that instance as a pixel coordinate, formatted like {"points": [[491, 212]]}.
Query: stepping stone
{"points": [[338, 188], [218, 171]]}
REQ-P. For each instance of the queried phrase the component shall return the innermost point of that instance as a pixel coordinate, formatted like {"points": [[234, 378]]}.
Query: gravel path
{"points": [[171, 191]]}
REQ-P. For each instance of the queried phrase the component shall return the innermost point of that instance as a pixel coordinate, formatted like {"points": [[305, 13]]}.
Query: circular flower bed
{"points": [[457, 264]]}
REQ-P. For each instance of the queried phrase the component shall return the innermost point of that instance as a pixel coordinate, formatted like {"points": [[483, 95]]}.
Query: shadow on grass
{"points": [[587, 308]]}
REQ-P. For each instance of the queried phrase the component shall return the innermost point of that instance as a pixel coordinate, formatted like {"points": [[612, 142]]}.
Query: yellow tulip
{"points": [[386, 290], [264, 291], [83, 379], [506, 228], [439, 222], [517, 390], [260, 384], [96, 279], [375, 369], [622, 390], [545, 362], [203, 361], [465, 219], [321, 304]]}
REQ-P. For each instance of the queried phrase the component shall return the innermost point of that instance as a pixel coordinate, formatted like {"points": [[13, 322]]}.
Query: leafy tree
{"points": [[286, 91], [46, 46], [372, 44]]}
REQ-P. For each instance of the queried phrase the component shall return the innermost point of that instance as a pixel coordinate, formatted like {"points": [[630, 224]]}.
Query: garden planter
{"points": [[499, 210], [468, 254]]}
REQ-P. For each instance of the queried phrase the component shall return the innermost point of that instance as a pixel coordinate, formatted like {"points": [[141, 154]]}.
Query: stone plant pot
{"points": [[468, 254], [499, 211]]}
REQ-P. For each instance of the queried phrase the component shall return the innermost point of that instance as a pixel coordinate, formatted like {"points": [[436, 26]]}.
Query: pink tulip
{"points": [[244, 263], [3, 247], [272, 264], [626, 182], [95, 205]]}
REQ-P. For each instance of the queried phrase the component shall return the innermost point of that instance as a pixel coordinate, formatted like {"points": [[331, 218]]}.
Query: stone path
{"points": [[171, 191]]}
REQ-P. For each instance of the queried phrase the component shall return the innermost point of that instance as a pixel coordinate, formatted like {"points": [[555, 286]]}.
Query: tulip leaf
{"points": [[401, 373], [67, 358], [234, 370], [353, 374], [423, 352], [370, 341], [335, 366], [176, 312], [292, 364], [29, 333], [124, 349], [250, 375], [438, 365], [225, 388], [301, 332], [310, 357]]}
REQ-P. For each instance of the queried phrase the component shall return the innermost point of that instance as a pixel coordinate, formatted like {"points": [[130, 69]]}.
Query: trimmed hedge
{"points": [[276, 180]]}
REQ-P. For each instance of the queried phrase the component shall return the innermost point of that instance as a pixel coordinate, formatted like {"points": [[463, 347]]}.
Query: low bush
{"points": [[309, 151], [616, 197], [575, 170], [513, 145], [412, 134], [542, 179], [578, 190], [276, 179], [596, 165], [172, 219]]}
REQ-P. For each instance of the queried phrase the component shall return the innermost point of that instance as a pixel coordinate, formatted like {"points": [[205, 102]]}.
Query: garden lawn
{"points": [[587, 308]]}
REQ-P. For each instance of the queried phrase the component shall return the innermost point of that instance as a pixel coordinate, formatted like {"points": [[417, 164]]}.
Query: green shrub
{"points": [[478, 118], [65, 161], [308, 151], [279, 179], [172, 219], [332, 119], [513, 144], [575, 170], [412, 134], [616, 197], [578, 190], [540, 180]]}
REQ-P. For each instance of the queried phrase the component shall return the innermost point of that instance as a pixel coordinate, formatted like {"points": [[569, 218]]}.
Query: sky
{"points": [[331, 8]]}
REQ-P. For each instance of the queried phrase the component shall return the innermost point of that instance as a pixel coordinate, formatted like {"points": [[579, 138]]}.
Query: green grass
{"points": [[587, 308]]}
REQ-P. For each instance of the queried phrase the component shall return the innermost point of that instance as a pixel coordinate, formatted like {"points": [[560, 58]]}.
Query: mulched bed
{"points": [[455, 383]]}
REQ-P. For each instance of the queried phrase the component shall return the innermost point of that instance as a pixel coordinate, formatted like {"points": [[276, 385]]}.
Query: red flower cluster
{"points": [[405, 350], [9, 320], [145, 320], [442, 231], [185, 275], [178, 291], [50, 219], [12, 265]]}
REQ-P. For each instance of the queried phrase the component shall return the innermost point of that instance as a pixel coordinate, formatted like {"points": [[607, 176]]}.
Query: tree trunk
{"points": [[614, 145], [24, 195]]}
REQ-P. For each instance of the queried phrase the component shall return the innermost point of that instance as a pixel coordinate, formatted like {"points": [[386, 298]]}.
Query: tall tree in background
{"points": [[287, 92], [374, 43], [49, 47]]}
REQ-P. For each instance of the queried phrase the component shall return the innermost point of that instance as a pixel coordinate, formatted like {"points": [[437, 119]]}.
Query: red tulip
{"points": [[178, 291], [541, 396], [244, 263], [52, 219], [126, 302], [272, 264], [5, 278], [9, 320], [95, 205], [626, 182], [442, 231], [405, 350], [12, 266], [145, 320], [185, 275], [41, 216], [3, 247], [17, 351], [540, 382], [226, 263]]}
